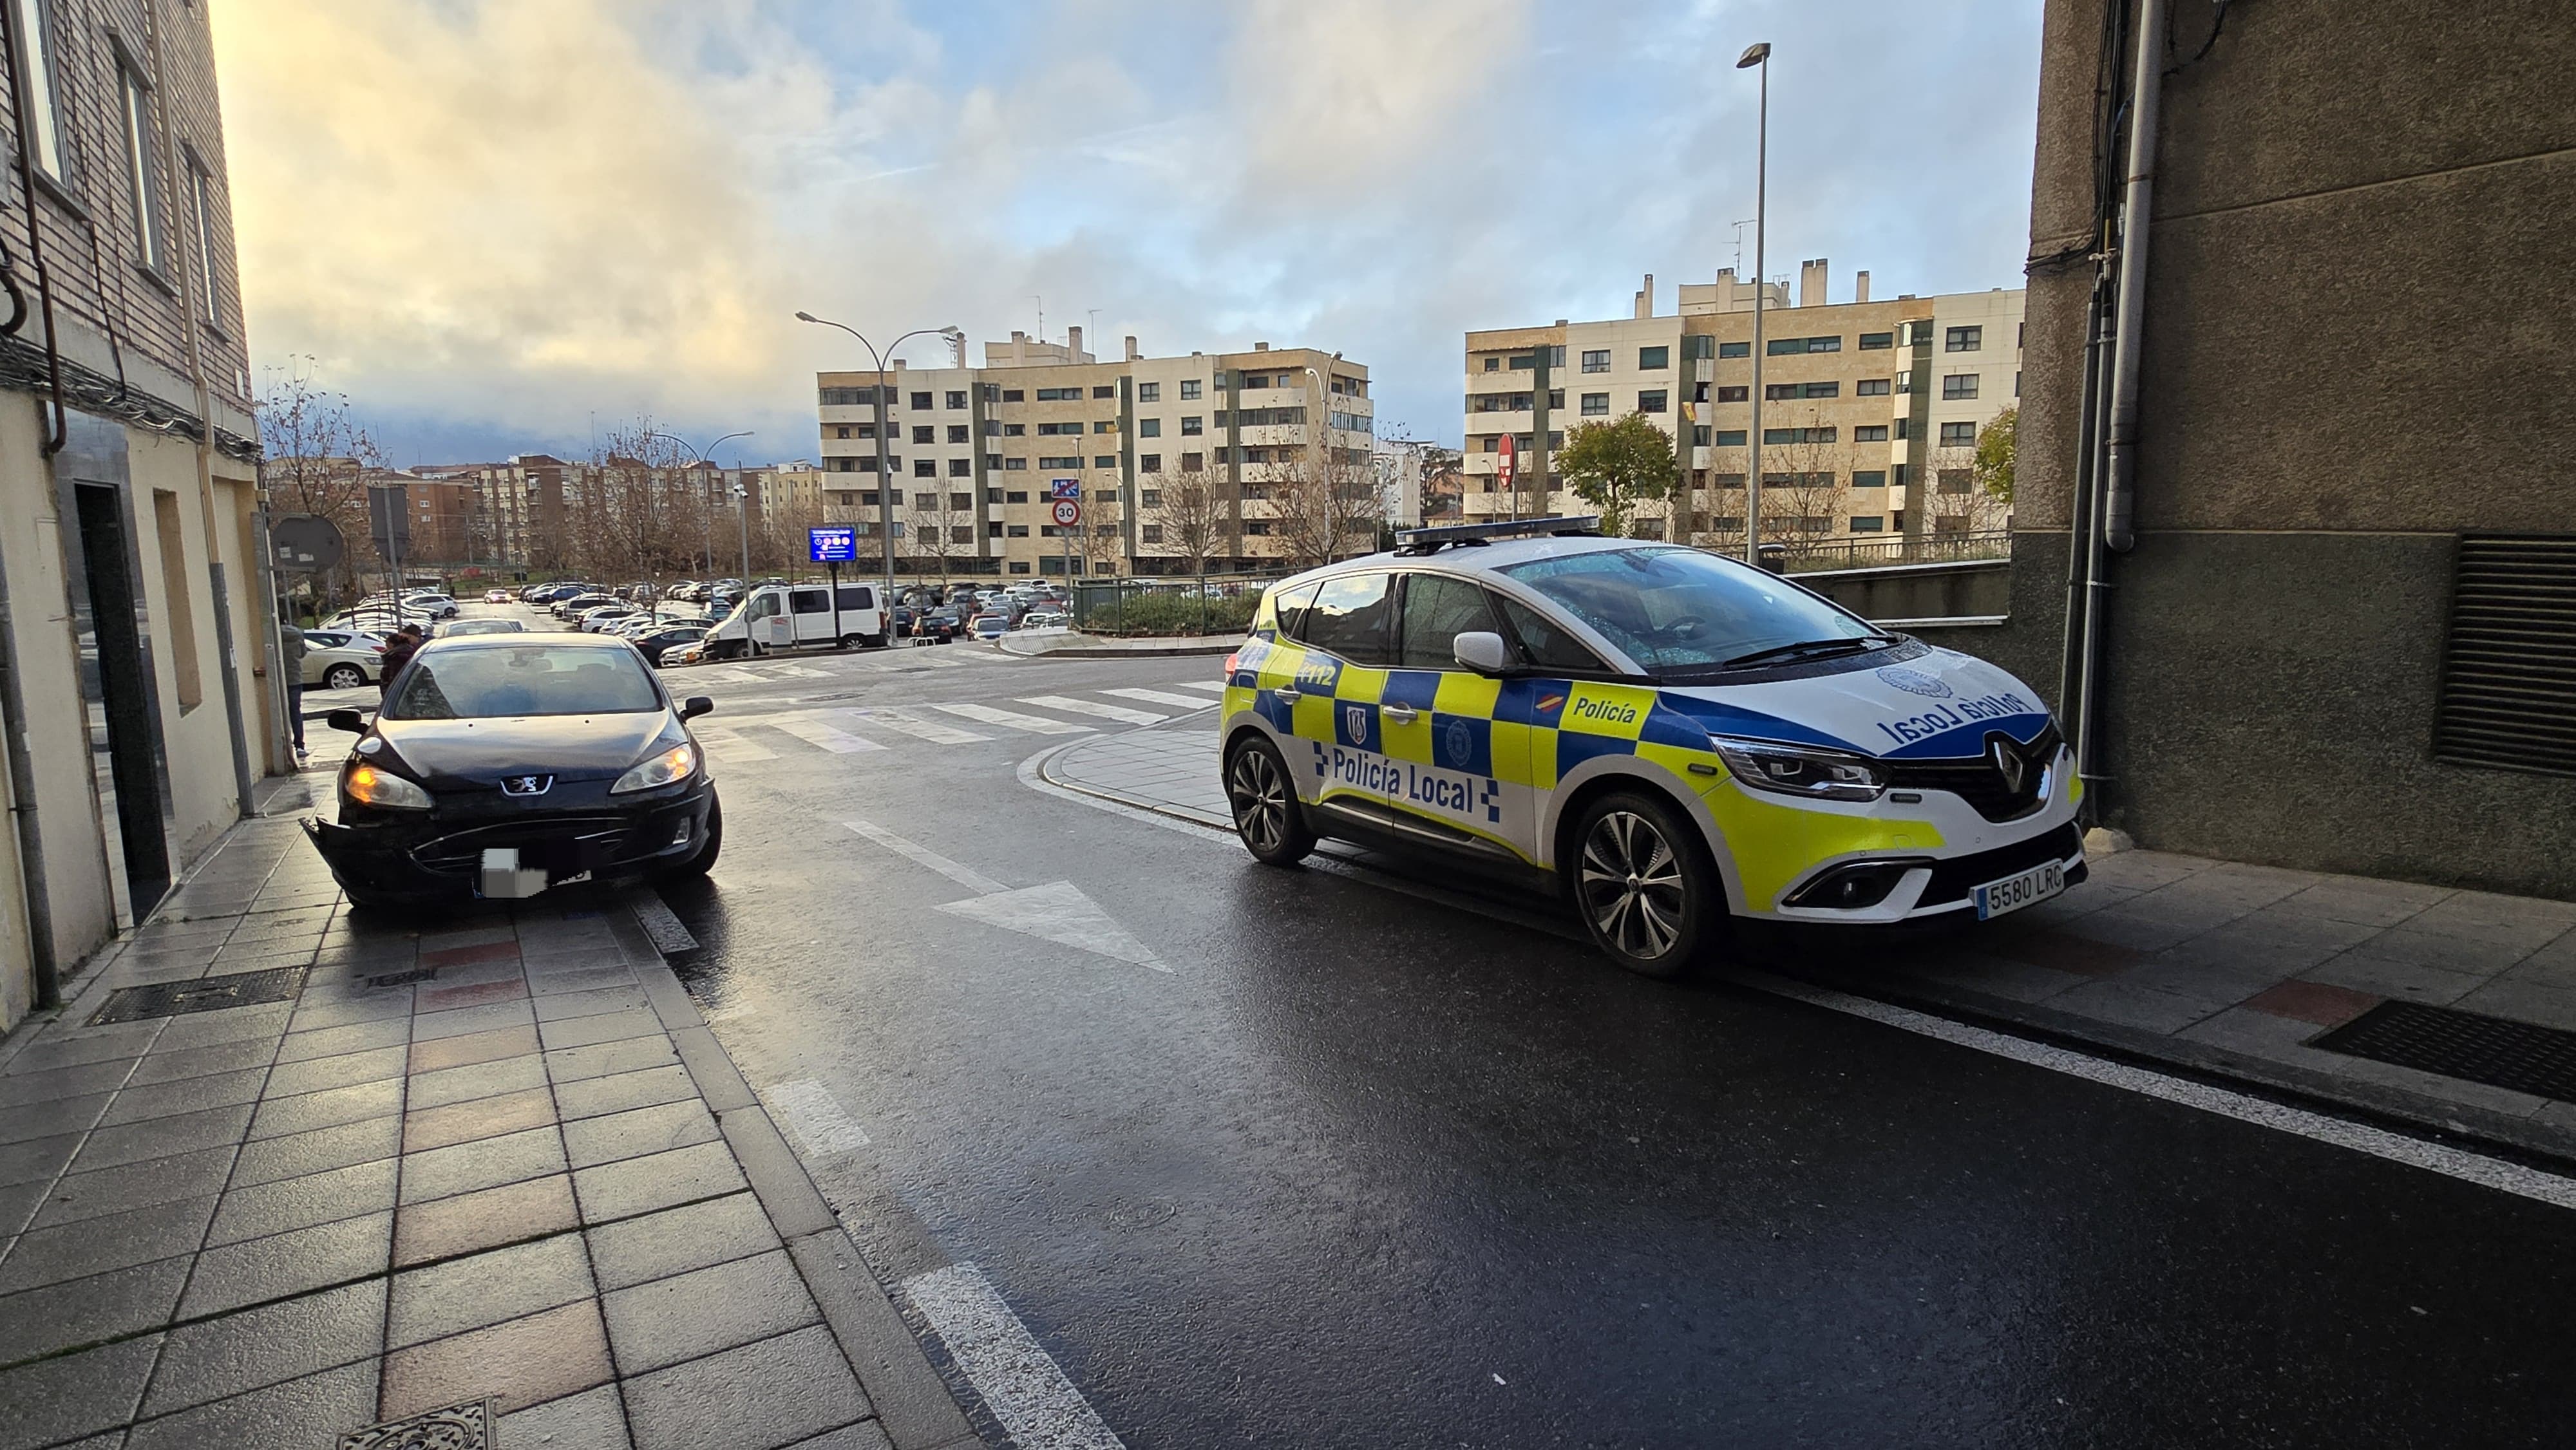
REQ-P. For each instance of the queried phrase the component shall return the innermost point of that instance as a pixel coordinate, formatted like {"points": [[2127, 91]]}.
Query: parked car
{"points": [[574, 606], [1045, 619], [437, 606], [341, 659], [496, 596], [657, 644], [482, 626], [991, 626], [600, 617], [503, 767]]}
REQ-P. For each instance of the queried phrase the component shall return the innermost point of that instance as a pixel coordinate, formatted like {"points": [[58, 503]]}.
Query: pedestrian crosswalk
{"points": [[770, 671], [880, 729]]}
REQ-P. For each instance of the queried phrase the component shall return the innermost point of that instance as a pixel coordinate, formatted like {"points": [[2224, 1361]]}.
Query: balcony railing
{"points": [[1808, 555]]}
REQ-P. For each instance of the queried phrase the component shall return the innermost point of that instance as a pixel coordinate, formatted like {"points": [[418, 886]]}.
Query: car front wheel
{"points": [[1645, 888], [343, 677], [1267, 813]]}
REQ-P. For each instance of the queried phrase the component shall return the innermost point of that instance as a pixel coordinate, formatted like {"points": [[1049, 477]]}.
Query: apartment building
{"points": [[139, 694], [1869, 420], [1250, 459]]}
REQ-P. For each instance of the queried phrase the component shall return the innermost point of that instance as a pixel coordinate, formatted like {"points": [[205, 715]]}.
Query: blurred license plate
{"points": [[2015, 892]]}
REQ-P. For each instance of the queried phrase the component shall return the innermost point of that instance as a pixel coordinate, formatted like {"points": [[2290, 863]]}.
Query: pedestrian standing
{"points": [[398, 652], [290, 654]]}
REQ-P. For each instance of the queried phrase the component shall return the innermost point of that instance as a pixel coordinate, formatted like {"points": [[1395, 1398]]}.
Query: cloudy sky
{"points": [[496, 223]]}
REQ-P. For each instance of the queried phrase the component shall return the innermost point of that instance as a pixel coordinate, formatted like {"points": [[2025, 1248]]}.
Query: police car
{"points": [[1669, 738]]}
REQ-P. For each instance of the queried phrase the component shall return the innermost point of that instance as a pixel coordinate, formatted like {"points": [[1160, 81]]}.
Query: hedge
{"points": [[1172, 614]]}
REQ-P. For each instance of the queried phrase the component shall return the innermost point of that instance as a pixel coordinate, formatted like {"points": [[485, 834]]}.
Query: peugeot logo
{"points": [[2008, 763], [526, 784]]}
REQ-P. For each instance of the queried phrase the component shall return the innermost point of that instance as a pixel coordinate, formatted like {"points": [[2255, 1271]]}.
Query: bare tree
{"points": [[937, 514], [1326, 504], [1805, 486], [1191, 517], [1954, 502], [317, 459]]}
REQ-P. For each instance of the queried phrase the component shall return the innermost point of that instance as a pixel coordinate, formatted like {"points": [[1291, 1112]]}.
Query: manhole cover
{"points": [[2465, 1045], [466, 1426], [201, 994]]}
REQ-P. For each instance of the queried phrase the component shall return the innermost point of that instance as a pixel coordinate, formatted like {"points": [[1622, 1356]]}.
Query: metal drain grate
{"points": [[404, 979], [466, 1426], [2516, 1055], [200, 994]]}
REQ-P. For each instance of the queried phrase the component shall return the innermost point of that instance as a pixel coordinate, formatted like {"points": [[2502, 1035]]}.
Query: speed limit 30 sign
{"points": [[1067, 511]]}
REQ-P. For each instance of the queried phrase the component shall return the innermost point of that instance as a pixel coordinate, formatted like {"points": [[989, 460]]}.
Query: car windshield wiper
{"points": [[1817, 648]]}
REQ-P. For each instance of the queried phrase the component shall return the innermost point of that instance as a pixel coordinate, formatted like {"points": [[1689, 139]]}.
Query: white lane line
{"points": [[2451, 1162], [1123, 713], [914, 725], [724, 744], [1161, 697], [816, 733], [728, 675], [815, 1118], [1014, 720], [1024, 1388], [1213, 687], [963, 875]]}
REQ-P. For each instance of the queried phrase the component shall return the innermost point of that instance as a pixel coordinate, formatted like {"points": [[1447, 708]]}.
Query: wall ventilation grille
{"points": [[2508, 696]]}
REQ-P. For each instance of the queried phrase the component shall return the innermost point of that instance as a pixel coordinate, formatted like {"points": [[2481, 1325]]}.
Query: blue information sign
{"points": [[1064, 488], [833, 546]]}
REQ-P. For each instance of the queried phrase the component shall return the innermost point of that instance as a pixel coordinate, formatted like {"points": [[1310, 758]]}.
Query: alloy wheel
{"points": [[1632, 885], [1260, 799]]}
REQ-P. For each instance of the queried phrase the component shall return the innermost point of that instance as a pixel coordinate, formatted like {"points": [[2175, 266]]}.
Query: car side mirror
{"points": [[346, 719], [1481, 650], [696, 705]]}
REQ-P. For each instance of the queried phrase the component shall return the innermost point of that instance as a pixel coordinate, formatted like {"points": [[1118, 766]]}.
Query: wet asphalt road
{"points": [[1369, 1169]]}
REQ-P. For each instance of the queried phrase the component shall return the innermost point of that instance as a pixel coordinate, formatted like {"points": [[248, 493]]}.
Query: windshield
{"points": [[1681, 609], [473, 684]]}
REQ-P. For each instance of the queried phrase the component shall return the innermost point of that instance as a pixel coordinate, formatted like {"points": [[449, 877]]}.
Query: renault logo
{"points": [[526, 784], [2008, 763]]}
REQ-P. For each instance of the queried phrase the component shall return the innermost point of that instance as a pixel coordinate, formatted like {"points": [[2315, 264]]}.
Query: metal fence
{"points": [[1185, 605], [1800, 557]]}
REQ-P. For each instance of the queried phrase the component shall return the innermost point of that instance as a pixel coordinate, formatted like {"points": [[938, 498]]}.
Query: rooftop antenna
{"points": [[1739, 245], [1041, 302], [1094, 330]]}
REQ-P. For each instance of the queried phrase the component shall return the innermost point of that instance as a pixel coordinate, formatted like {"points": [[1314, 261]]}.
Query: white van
{"points": [[786, 616]]}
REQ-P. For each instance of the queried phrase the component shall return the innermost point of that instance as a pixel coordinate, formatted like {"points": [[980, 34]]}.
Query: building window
{"points": [[201, 195], [1596, 405], [1059, 395], [1149, 463], [1493, 364], [1017, 495], [1797, 435], [1014, 465], [843, 431], [1556, 397], [1869, 524], [1963, 339], [1729, 480], [1870, 433], [1650, 359], [1699, 435], [1019, 566], [2016, 382], [1735, 349], [957, 433], [1104, 460], [1735, 394], [1257, 527], [921, 402], [1870, 388], [1869, 478], [993, 530], [961, 468], [1105, 425], [1523, 363], [960, 502], [1014, 395], [1596, 359], [1730, 437], [1873, 341], [1104, 390], [925, 468], [1149, 392], [34, 30], [1959, 385], [1071, 461], [1193, 462], [1802, 390], [143, 168], [1017, 531], [1149, 533], [992, 495], [1189, 389], [1781, 346], [957, 397], [1151, 498], [1958, 435], [1190, 425], [1954, 480], [925, 435], [1651, 401], [1902, 424], [1057, 430]]}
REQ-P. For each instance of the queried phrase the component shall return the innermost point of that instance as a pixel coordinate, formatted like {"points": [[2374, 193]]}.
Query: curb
{"points": [[911, 1402], [1113, 652]]}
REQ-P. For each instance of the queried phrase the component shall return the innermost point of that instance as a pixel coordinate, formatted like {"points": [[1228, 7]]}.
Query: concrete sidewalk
{"points": [[2219, 968], [492, 1182]]}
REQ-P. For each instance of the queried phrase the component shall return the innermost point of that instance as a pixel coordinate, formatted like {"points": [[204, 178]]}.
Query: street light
{"points": [[1757, 55], [885, 478], [707, 535]]}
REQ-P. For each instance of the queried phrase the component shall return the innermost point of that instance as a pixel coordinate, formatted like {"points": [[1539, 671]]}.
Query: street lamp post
{"points": [[1758, 56], [706, 534], [885, 478]]}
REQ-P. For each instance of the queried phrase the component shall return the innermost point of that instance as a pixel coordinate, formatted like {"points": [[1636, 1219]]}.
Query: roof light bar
{"points": [[1423, 541]]}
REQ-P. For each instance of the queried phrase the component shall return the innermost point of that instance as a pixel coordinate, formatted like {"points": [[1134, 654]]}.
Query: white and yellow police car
{"points": [[1668, 737]]}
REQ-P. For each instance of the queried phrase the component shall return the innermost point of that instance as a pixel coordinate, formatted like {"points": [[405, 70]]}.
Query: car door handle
{"points": [[1289, 693], [1400, 714]]}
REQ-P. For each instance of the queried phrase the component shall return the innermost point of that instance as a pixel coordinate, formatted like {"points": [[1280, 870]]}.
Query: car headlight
{"points": [[1791, 770], [675, 764], [372, 785]]}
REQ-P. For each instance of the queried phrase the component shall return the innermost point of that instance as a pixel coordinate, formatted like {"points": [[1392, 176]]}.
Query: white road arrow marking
{"points": [[1014, 720], [1122, 713], [1060, 913], [1161, 697]]}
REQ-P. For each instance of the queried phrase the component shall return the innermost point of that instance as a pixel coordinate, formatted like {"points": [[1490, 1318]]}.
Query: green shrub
{"points": [[1172, 614]]}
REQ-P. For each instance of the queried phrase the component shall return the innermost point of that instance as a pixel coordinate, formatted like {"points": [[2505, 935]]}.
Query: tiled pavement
{"points": [[499, 1158], [2219, 967]]}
